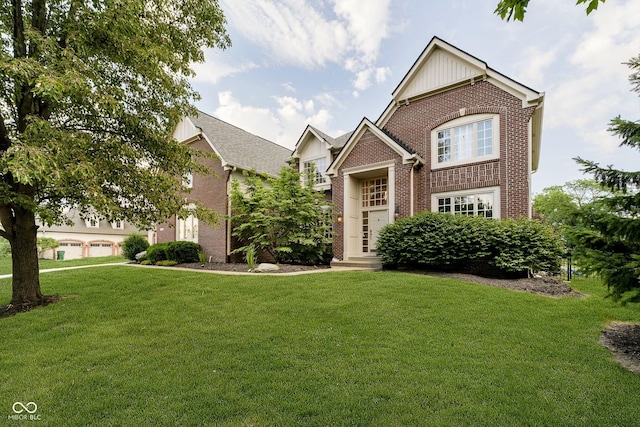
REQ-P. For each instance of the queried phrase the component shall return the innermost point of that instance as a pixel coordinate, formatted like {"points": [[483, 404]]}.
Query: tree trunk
{"points": [[24, 254]]}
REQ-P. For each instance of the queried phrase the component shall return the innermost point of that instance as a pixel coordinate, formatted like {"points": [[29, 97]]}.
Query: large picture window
{"points": [[483, 202], [466, 139], [316, 170]]}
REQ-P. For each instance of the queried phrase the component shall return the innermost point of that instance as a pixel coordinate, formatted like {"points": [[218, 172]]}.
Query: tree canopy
{"points": [[90, 92], [516, 9], [282, 216]]}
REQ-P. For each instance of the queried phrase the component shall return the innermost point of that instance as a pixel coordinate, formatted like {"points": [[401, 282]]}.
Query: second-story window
{"points": [[466, 140], [316, 170]]}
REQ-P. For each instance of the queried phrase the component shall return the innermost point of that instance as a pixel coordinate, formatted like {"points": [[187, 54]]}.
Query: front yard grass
{"points": [[136, 346]]}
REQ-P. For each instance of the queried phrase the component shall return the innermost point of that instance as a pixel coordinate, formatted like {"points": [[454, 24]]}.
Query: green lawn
{"points": [[155, 347], [45, 264]]}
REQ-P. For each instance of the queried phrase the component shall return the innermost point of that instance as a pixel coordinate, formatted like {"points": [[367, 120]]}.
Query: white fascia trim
{"points": [[368, 167], [303, 140], [528, 96]]}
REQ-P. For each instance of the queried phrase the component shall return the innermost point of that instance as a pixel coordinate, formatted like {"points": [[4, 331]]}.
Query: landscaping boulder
{"points": [[265, 267]]}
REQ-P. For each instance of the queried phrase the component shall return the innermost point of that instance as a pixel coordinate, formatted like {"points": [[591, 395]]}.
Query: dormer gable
{"points": [[186, 132]]}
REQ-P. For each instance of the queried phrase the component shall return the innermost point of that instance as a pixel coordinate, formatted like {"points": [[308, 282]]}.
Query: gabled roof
{"points": [[333, 144], [442, 66], [238, 148], [408, 155]]}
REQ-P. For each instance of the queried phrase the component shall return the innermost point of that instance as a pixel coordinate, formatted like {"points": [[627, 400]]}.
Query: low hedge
{"points": [[470, 244], [180, 252]]}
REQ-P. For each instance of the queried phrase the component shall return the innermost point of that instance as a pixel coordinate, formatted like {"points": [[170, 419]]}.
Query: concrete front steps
{"points": [[365, 263]]}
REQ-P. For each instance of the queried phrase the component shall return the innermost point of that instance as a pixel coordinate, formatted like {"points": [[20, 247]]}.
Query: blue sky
{"points": [[330, 63]]}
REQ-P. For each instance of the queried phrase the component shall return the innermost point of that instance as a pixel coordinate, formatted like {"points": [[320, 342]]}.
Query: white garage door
{"points": [[72, 250], [100, 249]]}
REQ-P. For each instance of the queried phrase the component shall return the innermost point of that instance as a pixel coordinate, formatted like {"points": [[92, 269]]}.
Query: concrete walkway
{"points": [[247, 273], [190, 270], [49, 270]]}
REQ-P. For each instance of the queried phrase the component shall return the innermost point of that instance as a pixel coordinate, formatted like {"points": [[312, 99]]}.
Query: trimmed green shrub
{"points": [[157, 252], [166, 263], [180, 252], [464, 243], [133, 245]]}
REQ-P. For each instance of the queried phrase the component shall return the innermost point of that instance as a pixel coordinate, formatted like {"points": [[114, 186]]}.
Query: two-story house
{"points": [[457, 137]]}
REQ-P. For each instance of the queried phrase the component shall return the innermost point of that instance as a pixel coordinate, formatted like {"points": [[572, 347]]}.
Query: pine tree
{"points": [[608, 232]]}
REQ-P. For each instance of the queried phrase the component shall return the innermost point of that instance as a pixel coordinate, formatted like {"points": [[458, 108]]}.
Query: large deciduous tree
{"points": [[89, 94]]}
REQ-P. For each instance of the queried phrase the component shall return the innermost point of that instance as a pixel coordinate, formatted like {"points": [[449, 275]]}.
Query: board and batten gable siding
{"points": [[441, 70]]}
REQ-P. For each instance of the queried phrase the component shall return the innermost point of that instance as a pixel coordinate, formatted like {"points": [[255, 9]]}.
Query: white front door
{"points": [[377, 220]]}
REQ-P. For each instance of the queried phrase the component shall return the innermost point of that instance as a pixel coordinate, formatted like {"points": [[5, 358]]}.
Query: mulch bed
{"points": [[9, 310]]}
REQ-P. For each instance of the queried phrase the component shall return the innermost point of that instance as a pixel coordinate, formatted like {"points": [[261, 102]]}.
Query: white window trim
{"points": [[461, 121], [88, 222], [472, 192], [117, 225], [181, 234], [187, 181]]}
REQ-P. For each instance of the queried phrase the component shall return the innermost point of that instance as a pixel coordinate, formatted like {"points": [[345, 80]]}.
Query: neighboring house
{"points": [[457, 137], [90, 237], [236, 151]]}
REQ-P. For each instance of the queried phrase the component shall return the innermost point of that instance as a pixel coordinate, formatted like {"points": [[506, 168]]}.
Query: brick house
{"points": [[236, 151], [457, 137]]}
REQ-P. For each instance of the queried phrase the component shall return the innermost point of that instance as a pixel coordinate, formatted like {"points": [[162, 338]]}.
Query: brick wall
{"points": [[212, 192], [413, 124]]}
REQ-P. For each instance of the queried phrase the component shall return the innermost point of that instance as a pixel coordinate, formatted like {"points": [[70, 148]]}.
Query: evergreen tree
{"points": [[608, 232]]}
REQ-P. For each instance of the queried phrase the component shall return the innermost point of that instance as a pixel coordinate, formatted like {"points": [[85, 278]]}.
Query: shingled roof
{"points": [[241, 149], [334, 142]]}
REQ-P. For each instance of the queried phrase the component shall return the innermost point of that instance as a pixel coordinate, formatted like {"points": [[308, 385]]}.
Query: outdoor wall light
{"points": [[340, 219], [397, 212]]}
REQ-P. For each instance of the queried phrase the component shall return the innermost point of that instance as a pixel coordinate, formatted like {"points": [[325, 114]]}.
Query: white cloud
{"points": [[368, 24], [363, 79], [595, 87], [305, 34], [217, 66], [259, 121], [282, 126], [289, 87], [382, 73]]}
